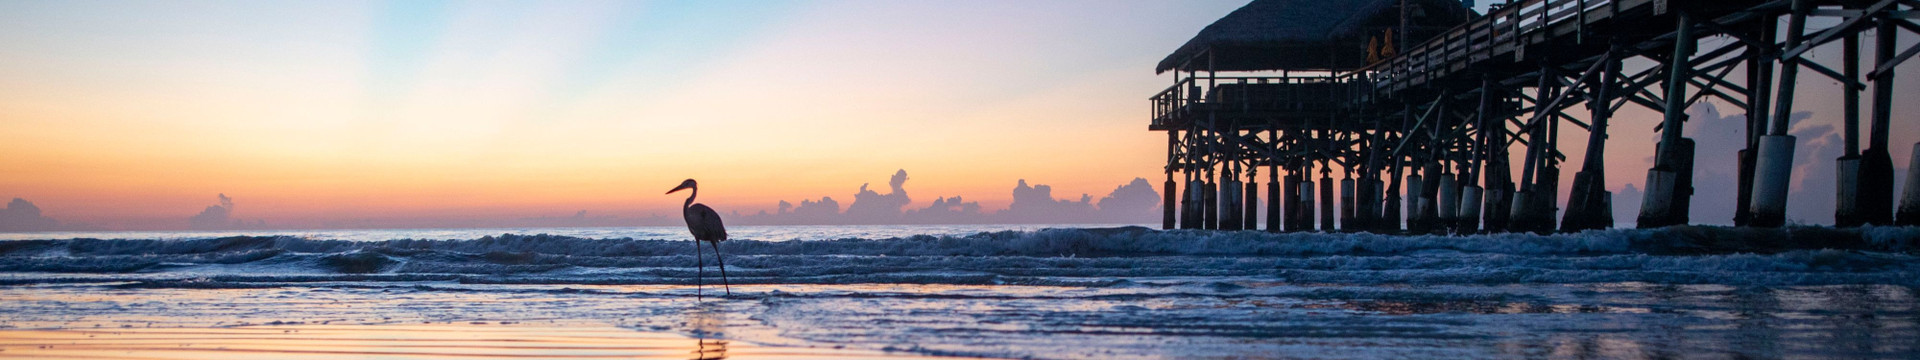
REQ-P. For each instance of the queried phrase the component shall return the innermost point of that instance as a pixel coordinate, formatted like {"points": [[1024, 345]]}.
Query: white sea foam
{"points": [[1078, 257]]}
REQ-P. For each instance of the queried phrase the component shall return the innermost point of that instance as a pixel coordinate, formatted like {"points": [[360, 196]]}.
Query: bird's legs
{"points": [[723, 268], [701, 261]]}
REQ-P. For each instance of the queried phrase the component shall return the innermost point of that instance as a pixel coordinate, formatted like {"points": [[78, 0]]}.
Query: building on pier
{"points": [[1419, 105]]}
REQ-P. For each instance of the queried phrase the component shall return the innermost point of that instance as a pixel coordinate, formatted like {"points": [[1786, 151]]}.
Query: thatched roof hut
{"points": [[1308, 34]]}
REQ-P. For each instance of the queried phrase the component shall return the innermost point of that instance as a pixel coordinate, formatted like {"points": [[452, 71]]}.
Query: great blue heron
{"points": [[705, 225]]}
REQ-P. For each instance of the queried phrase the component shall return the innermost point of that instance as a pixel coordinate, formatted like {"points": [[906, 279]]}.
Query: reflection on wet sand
{"points": [[711, 349], [1249, 319], [708, 330], [413, 341]]}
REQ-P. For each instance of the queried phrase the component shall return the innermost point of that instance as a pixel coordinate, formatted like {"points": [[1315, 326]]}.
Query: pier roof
{"points": [[1306, 34]]}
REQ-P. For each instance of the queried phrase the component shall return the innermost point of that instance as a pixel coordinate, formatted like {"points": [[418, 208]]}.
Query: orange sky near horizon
{"points": [[308, 112], [325, 110]]}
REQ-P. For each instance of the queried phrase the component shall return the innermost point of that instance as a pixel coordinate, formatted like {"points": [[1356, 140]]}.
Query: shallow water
{"points": [[1061, 293], [455, 340]]}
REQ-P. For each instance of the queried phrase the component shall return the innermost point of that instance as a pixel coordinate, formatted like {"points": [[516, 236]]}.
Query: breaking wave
{"points": [[1068, 257]]}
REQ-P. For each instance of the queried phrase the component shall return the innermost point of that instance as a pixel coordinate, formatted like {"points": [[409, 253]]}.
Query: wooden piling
{"points": [[1664, 203]]}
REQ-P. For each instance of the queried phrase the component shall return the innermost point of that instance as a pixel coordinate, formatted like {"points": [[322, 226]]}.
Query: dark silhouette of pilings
{"points": [[1669, 182], [1590, 205], [1426, 135], [1874, 196], [1910, 201]]}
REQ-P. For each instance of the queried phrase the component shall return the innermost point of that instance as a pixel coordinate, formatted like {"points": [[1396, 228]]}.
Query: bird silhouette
{"points": [[705, 225]]}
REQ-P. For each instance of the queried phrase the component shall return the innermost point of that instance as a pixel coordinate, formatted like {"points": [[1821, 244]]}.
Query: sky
{"points": [[314, 114], [137, 114]]}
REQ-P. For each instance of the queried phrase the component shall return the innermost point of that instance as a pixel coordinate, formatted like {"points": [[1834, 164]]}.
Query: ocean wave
{"points": [[1064, 257]]}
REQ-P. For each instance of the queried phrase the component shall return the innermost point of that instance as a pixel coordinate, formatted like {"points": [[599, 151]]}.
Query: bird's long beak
{"points": [[682, 187]]}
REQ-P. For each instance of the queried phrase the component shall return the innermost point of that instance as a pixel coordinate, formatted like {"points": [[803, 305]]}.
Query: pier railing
{"points": [[1505, 32], [1240, 93]]}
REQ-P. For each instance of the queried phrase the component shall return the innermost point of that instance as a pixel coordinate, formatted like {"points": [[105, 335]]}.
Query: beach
{"points": [[478, 339], [1066, 293]]}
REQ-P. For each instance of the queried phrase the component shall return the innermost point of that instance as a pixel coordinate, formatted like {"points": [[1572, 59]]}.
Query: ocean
{"points": [[1011, 291]]}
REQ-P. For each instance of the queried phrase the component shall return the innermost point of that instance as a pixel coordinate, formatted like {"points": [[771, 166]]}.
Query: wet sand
{"points": [[489, 340]]}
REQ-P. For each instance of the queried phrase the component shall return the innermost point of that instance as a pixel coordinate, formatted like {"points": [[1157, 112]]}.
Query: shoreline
{"points": [[455, 339]]}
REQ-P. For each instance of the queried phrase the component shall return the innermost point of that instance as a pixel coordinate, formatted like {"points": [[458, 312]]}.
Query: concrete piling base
{"points": [[1430, 199], [1874, 196], [1327, 211], [1229, 206], [1744, 197], [1518, 218], [1546, 200], [1449, 203], [1210, 206], [1377, 208], [1467, 221], [1909, 214], [1846, 211], [1306, 205], [1417, 204], [1772, 172], [1494, 214], [1390, 213], [1167, 204], [1346, 205], [1273, 206], [1666, 199], [1190, 213], [1606, 201], [1290, 221], [1657, 207], [1587, 207], [1251, 213]]}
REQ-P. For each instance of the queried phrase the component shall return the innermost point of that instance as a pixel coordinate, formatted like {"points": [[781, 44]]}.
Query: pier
{"points": [[1352, 113]]}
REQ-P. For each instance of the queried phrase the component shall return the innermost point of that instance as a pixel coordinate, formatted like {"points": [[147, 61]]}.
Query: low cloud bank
{"points": [[1134, 202], [220, 217], [22, 215]]}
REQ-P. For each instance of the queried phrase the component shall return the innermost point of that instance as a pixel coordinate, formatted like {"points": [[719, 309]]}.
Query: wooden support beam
{"points": [[1854, 24]]}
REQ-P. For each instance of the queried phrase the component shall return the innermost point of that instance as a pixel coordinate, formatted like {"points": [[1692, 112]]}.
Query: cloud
{"points": [[947, 210], [219, 217], [22, 215], [1134, 202], [1626, 204], [1036, 204], [825, 211], [1811, 197], [1718, 138], [873, 206]]}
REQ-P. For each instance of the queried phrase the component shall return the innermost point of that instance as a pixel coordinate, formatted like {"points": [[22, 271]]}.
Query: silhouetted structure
{"points": [[1424, 95]]}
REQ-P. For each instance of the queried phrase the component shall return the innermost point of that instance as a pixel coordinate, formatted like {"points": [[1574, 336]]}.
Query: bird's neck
{"points": [[690, 196]]}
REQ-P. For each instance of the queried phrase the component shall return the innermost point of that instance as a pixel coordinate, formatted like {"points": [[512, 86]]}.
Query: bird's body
{"points": [[703, 222], [705, 225]]}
